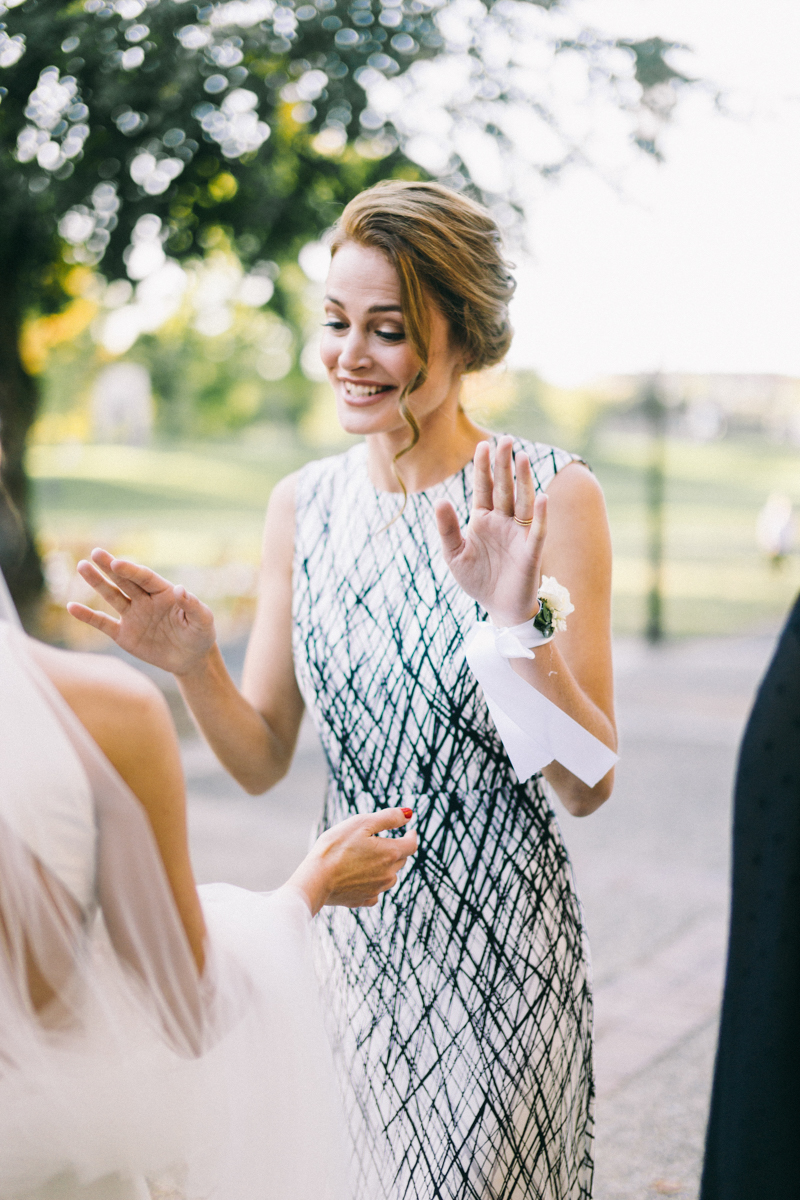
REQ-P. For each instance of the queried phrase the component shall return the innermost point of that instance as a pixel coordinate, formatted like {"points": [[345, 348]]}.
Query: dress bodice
{"points": [[379, 623], [45, 796]]}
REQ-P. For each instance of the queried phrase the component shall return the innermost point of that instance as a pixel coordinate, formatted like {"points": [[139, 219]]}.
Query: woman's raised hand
{"points": [[498, 558], [158, 622], [350, 865]]}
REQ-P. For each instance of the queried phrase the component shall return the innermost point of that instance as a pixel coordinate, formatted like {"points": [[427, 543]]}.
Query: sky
{"points": [[696, 266]]}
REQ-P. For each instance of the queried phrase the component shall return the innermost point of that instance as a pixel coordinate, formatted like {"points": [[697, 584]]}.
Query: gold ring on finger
{"points": [[520, 521]]}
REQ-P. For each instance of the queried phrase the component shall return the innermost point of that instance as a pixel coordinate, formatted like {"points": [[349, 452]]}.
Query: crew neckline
{"points": [[492, 439]]}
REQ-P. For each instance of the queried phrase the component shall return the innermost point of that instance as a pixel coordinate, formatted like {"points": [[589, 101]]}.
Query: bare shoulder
{"points": [[283, 494], [280, 510], [112, 681], [120, 707], [278, 547], [575, 486], [578, 542]]}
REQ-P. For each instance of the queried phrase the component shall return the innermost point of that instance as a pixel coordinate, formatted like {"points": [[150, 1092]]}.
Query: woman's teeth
{"points": [[360, 389]]}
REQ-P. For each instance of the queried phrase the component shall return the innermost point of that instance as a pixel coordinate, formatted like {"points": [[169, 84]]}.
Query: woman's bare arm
{"points": [[254, 732], [499, 559], [575, 669]]}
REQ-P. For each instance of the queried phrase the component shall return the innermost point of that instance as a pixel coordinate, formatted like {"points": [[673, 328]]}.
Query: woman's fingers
{"points": [[112, 594], [97, 620], [449, 529], [482, 486], [105, 561], [405, 846], [386, 818], [526, 491], [538, 533], [399, 849], [503, 494], [128, 573], [102, 559]]}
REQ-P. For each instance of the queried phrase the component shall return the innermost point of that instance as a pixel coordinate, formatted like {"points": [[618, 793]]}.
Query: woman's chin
{"points": [[366, 419]]}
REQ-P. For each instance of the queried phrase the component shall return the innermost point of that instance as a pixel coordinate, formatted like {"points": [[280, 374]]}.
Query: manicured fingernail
{"points": [[407, 813]]}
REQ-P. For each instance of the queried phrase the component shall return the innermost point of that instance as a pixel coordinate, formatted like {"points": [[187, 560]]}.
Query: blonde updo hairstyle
{"points": [[446, 250]]}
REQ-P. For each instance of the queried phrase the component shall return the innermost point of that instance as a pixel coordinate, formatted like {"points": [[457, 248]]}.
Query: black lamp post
{"points": [[656, 414]]}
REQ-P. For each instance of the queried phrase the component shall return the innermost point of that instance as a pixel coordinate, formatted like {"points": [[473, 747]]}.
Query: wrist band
{"points": [[532, 728], [516, 641]]}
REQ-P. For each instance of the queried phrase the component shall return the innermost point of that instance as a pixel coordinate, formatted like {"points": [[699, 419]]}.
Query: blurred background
{"points": [[168, 174]]}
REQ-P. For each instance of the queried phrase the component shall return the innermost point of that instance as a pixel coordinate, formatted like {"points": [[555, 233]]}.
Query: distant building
{"points": [[122, 404], [711, 404]]}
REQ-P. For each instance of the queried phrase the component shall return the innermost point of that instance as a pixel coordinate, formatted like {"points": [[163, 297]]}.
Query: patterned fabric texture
{"points": [[460, 1005]]}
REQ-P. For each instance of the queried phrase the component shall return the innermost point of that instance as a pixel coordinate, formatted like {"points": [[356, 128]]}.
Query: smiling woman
{"points": [[417, 289], [460, 1009]]}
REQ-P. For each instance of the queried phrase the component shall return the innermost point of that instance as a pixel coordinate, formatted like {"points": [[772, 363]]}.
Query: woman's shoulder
{"points": [[98, 672], [546, 461], [102, 674], [116, 703]]}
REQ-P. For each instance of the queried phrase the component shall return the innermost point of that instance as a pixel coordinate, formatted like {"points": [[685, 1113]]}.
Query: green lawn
{"points": [[195, 513]]}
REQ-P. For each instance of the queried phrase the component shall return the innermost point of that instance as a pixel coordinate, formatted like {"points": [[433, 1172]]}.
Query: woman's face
{"points": [[364, 347]]}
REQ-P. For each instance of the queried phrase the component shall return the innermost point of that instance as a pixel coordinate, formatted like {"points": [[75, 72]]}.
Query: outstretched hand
{"points": [[158, 622], [498, 558]]}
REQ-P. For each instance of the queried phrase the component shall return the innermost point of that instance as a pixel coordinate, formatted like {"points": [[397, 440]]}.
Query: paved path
{"points": [[652, 871]]}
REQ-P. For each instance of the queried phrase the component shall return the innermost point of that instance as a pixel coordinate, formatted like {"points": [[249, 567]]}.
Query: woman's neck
{"points": [[447, 442]]}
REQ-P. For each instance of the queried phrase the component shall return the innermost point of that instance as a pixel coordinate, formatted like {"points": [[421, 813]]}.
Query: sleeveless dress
{"points": [[124, 1074], [460, 1006]]}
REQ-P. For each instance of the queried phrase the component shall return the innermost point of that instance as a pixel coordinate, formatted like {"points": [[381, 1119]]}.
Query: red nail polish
{"points": [[407, 813]]}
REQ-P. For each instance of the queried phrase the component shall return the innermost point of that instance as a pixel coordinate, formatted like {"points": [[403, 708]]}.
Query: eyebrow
{"points": [[376, 308]]}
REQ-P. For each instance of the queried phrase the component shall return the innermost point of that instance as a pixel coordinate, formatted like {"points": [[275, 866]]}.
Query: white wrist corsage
{"points": [[554, 608]]}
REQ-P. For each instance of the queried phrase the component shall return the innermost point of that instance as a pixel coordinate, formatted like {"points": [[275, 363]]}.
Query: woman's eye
{"points": [[333, 324], [390, 335]]}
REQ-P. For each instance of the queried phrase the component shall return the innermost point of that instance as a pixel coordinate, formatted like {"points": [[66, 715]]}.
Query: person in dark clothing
{"points": [[754, 1123]]}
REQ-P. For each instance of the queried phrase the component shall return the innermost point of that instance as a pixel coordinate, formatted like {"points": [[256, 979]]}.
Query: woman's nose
{"points": [[353, 353]]}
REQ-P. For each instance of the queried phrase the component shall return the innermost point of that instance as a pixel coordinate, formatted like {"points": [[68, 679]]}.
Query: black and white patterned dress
{"points": [[460, 1004]]}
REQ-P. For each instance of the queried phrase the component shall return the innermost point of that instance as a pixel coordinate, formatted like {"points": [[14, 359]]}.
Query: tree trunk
{"points": [[19, 398]]}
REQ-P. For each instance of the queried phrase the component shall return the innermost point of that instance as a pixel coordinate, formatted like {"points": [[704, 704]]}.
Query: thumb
{"points": [[191, 605], [388, 818], [449, 529]]}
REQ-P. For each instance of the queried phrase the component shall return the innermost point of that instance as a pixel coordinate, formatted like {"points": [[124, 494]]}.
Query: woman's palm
{"points": [[157, 622], [497, 559]]}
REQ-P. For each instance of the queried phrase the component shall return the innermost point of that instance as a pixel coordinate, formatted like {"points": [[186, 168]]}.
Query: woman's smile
{"points": [[361, 393]]}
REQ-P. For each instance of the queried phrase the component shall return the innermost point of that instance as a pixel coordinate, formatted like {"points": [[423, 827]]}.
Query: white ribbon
{"points": [[516, 641], [534, 731]]}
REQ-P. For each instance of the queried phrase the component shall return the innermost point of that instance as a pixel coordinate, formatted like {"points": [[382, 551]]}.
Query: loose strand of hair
{"points": [[411, 421]]}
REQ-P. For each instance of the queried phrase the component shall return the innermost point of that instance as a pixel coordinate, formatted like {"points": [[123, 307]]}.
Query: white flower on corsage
{"points": [[555, 607]]}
